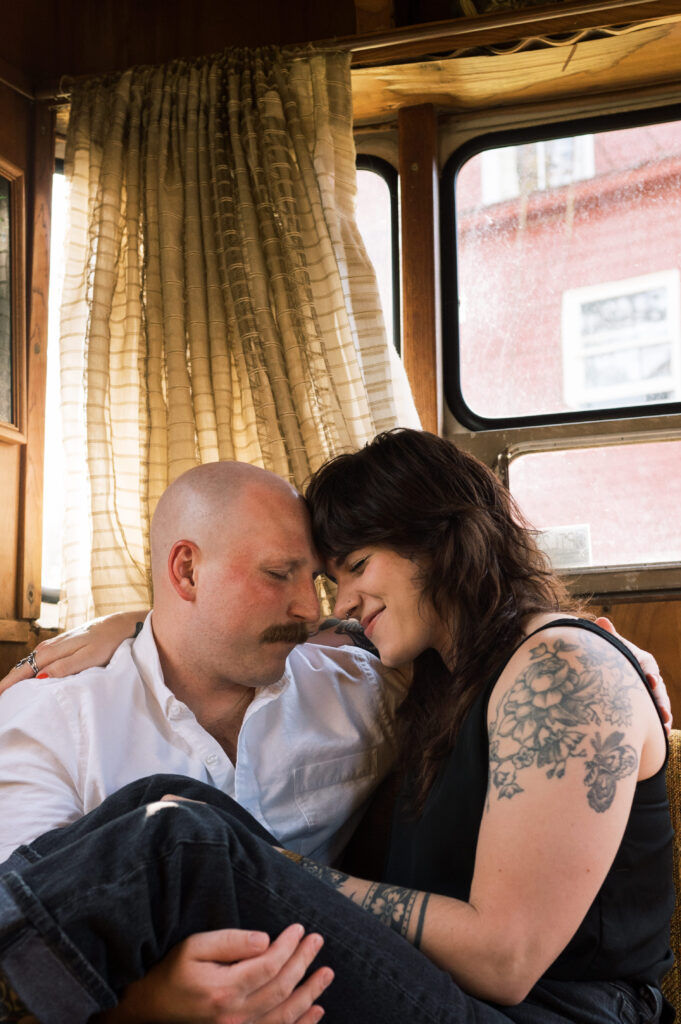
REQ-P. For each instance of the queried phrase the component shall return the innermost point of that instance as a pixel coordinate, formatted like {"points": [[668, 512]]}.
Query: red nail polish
{"points": [[42, 675]]}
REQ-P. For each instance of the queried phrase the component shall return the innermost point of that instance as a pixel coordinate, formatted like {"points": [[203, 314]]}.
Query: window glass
{"points": [[375, 219], [6, 376], [567, 253], [603, 506]]}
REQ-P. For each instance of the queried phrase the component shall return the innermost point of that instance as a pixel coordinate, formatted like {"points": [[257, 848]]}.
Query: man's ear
{"points": [[182, 565]]}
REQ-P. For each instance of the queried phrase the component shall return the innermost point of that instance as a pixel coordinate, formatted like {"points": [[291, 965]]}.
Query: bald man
{"points": [[219, 686]]}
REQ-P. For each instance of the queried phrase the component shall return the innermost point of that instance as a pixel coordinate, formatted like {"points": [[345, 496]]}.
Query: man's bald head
{"points": [[233, 566], [205, 504]]}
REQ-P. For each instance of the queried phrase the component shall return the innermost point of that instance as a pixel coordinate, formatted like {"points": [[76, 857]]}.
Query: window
{"points": [[378, 219], [564, 258], [562, 328], [601, 505]]}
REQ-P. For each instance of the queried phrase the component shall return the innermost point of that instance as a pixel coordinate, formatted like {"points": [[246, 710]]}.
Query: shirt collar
{"points": [[145, 655]]}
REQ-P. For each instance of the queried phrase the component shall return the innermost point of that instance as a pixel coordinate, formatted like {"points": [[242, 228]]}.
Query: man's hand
{"points": [[85, 647], [230, 977], [650, 670]]}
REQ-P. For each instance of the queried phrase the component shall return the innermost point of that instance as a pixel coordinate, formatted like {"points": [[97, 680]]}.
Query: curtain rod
{"points": [[504, 27]]}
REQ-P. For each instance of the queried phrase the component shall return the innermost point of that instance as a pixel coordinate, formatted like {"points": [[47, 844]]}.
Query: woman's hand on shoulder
{"points": [[651, 671], [85, 647]]}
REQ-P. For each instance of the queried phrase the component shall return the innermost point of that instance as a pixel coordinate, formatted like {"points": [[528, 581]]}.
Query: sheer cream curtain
{"points": [[218, 301]]}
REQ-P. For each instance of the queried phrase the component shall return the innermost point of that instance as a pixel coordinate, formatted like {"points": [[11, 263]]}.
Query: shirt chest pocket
{"points": [[332, 790]]}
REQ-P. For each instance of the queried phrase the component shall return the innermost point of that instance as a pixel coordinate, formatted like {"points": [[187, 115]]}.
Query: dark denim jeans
{"points": [[87, 909]]}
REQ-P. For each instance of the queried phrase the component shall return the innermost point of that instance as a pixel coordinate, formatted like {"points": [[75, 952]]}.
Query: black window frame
{"points": [[450, 295]]}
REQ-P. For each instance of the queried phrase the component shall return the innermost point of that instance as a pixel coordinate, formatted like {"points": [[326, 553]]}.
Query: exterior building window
{"points": [[622, 342], [511, 171]]}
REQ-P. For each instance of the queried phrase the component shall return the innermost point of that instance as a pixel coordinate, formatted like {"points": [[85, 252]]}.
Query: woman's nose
{"points": [[347, 601]]}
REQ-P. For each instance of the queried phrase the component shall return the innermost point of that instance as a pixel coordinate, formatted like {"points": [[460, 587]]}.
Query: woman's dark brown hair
{"points": [[423, 497]]}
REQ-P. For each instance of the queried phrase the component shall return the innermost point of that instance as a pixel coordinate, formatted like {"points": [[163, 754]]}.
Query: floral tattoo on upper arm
{"points": [[540, 720]]}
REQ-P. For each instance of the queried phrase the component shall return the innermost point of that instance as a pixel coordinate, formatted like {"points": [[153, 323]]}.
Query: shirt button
{"points": [[212, 759]]}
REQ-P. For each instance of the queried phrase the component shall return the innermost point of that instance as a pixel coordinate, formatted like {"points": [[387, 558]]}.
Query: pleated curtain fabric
{"points": [[218, 300]]}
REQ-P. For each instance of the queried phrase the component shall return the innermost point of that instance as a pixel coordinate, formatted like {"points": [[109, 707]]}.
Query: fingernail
{"points": [[258, 938], [317, 942], [42, 675]]}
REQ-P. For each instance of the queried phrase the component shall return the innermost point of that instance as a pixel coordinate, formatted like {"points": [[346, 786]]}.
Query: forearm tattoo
{"points": [[403, 910], [540, 720]]}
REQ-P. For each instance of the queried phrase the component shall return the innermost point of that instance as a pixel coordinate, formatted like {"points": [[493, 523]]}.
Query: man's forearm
{"points": [[401, 909]]}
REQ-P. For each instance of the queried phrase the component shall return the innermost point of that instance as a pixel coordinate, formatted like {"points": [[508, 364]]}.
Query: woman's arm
{"points": [[233, 972], [85, 647], [571, 729]]}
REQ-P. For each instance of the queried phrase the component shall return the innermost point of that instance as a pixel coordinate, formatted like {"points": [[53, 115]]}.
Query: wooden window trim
{"points": [[31, 521]]}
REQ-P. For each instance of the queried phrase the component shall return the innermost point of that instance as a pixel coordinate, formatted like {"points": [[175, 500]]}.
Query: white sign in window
{"points": [[622, 342], [567, 546]]}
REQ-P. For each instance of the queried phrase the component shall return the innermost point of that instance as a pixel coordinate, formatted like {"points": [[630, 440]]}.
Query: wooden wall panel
{"points": [[15, 137], [16, 640], [74, 37]]}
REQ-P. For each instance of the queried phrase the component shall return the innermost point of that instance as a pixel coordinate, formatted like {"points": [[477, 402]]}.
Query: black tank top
{"points": [[625, 934]]}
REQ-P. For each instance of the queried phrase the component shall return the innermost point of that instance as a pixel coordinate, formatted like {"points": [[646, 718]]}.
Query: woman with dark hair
{"points": [[530, 852], [533, 795], [465, 545]]}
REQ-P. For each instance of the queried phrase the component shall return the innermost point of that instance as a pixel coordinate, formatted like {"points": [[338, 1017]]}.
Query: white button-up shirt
{"points": [[311, 749]]}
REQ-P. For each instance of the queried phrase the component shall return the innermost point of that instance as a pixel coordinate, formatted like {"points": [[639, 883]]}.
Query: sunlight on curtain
{"points": [[218, 301]]}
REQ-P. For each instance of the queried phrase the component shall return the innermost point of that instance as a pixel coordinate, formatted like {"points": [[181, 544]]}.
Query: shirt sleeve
{"points": [[390, 686], [39, 756]]}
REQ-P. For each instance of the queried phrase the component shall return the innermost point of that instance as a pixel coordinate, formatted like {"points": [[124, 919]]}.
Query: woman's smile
{"points": [[369, 621]]}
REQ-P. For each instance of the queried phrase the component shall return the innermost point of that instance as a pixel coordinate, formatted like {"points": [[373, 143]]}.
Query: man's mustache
{"points": [[289, 633]]}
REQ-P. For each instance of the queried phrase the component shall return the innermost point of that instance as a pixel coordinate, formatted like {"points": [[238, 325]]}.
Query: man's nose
{"points": [[305, 604]]}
